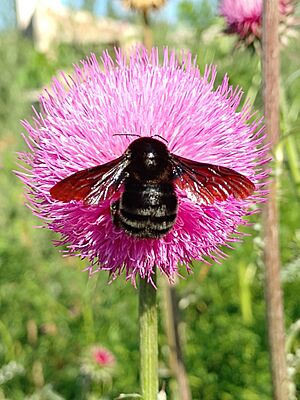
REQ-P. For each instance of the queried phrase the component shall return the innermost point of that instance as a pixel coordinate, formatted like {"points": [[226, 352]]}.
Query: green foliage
{"points": [[199, 14], [51, 312], [89, 5]]}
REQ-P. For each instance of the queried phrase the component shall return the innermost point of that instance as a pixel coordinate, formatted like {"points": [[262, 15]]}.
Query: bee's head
{"points": [[148, 157]]}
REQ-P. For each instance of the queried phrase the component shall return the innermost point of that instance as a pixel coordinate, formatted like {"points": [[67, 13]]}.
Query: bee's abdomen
{"points": [[146, 211]]}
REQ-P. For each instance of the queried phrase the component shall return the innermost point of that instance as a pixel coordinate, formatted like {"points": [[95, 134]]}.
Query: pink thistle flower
{"points": [[103, 357], [98, 364], [244, 17], [142, 97]]}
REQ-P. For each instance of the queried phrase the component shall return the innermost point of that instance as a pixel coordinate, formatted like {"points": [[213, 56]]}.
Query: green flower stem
{"points": [[148, 340]]}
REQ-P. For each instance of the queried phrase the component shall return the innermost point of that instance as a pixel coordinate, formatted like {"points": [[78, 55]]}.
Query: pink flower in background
{"points": [[98, 364], [102, 356], [244, 17], [142, 97]]}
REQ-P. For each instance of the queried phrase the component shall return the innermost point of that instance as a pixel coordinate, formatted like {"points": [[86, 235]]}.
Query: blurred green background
{"points": [[51, 313]]}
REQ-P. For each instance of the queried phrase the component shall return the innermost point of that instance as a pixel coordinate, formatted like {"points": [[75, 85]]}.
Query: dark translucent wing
{"points": [[92, 185], [205, 183]]}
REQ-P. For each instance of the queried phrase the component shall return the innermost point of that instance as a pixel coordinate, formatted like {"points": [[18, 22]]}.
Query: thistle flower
{"points": [[98, 364], [244, 18], [144, 5], [141, 97], [103, 357]]}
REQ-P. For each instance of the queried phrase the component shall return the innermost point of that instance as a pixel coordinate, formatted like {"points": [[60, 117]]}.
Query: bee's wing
{"points": [[92, 185], [205, 183]]}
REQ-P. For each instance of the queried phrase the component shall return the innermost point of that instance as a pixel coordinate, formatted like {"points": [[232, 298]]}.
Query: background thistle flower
{"points": [[244, 18], [144, 5], [144, 98], [98, 364]]}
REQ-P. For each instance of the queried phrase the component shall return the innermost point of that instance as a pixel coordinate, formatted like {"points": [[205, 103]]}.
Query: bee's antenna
{"points": [[126, 134], [156, 134], [134, 134]]}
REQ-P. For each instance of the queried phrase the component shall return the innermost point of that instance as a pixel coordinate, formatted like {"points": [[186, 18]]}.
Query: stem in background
{"points": [[176, 359], [273, 292], [148, 340], [148, 35]]}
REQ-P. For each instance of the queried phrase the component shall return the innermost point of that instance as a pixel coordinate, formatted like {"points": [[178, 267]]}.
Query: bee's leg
{"points": [[114, 211]]}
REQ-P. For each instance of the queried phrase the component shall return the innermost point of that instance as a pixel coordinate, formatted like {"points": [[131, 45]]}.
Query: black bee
{"points": [[142, 186]]}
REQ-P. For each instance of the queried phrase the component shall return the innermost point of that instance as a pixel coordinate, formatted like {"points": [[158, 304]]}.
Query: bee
{"points": [[141, 185]]}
